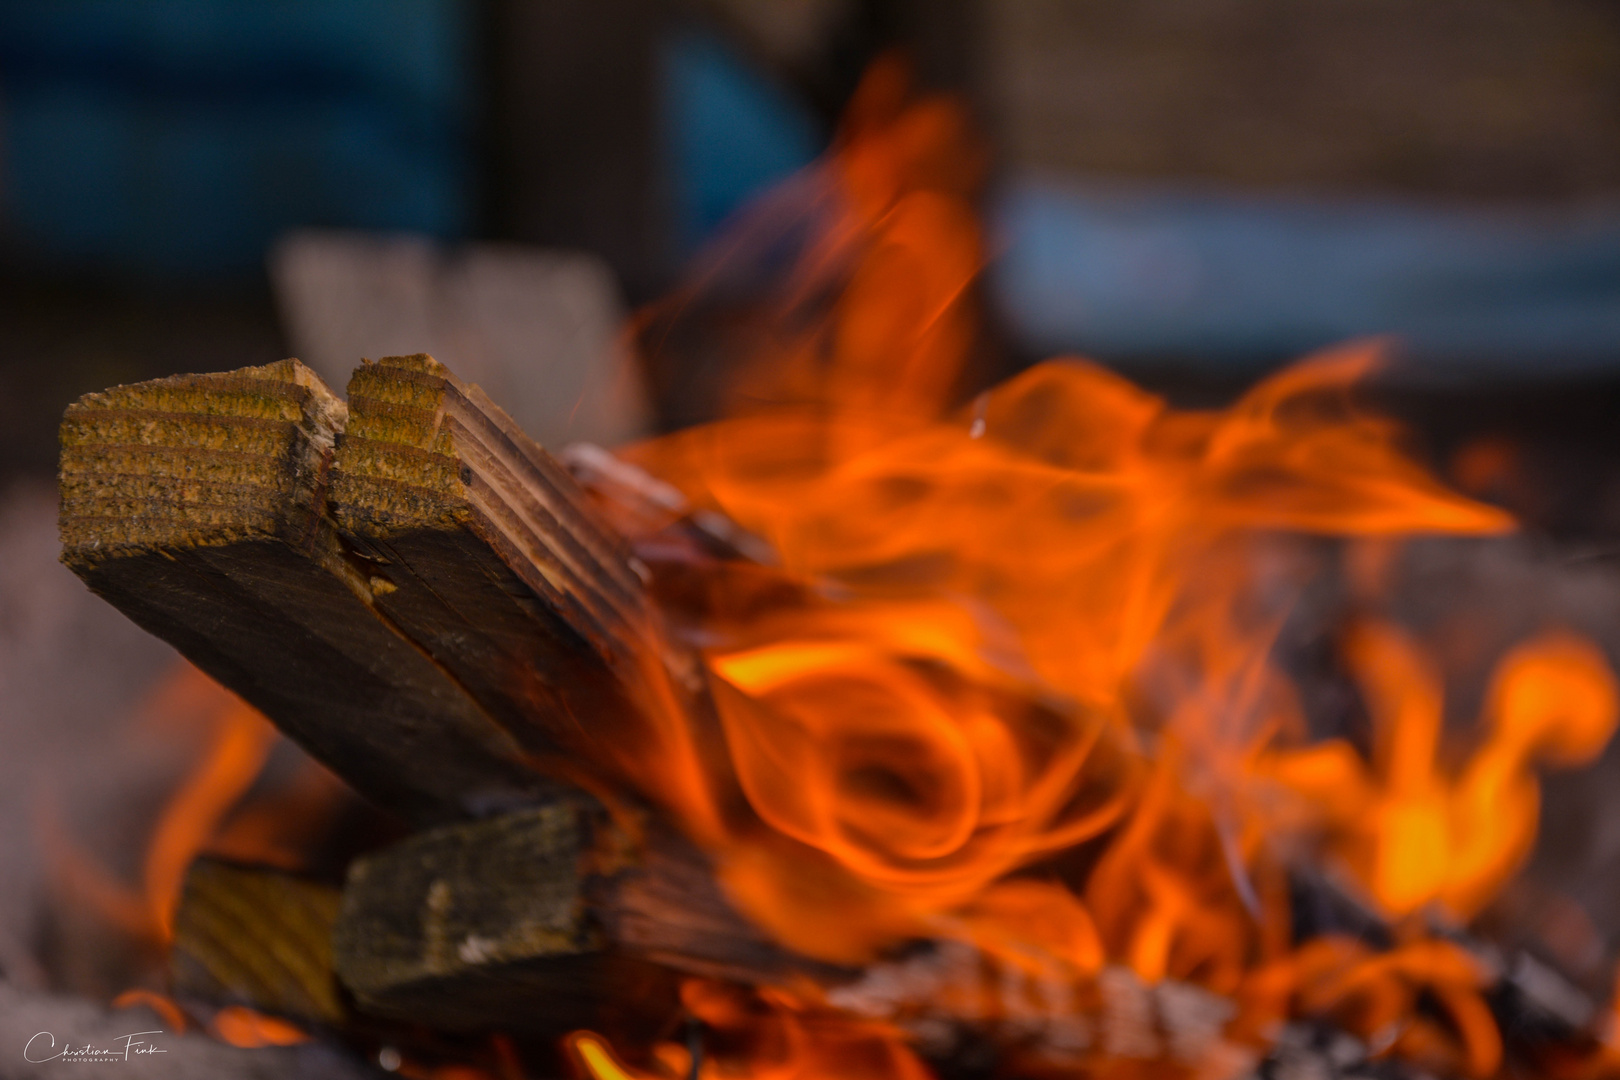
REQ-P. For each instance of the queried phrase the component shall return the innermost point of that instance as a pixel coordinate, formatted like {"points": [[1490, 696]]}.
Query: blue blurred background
{"points": [[1192, 190], [176, 139]]}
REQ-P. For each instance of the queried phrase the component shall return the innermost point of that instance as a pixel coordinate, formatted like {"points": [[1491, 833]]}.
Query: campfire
{"points": [[884, 728]]}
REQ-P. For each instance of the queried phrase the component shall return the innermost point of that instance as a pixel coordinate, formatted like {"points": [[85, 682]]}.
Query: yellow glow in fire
{"points": [[597, 1059], [1412, 833]]}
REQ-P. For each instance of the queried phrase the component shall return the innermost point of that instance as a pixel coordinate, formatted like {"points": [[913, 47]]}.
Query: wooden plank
{"points": [[548, 918], [257, 937], [496, 564], [196, 505]]}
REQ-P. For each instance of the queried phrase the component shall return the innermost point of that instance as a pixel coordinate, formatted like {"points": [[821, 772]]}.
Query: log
{"points": [[196, 505], [495, 562], [541, 921], [258, 937]]}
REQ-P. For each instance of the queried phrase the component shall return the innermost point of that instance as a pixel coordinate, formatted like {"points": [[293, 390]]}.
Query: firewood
{"points": [[196, 505], [258, 937], [482, 548], [542, 920]]}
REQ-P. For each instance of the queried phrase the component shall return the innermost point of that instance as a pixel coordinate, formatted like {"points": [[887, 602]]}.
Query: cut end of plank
{"points": [[257, 937], [486, 925], [547, 906], [492, 557], [400, 466], [411, 912], [196, 460], [198, 506], [419, 362]]}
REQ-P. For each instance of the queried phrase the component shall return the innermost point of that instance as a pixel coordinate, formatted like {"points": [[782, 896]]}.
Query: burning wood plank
{"points": [[544, 919], [196, 505], [483, 549]]}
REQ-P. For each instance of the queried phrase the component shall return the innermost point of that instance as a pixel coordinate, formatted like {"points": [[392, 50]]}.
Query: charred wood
{"points": [[543, 920], [563, 916]]}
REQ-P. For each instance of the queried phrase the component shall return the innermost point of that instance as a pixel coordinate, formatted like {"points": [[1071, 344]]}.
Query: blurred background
{"points": [[1193, 190]]}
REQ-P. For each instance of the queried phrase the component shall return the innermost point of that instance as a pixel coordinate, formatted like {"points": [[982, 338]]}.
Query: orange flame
{"points": [[161, 1004], [767, 1036], [1073, 539], [245, 1027], [1375, 996], [1037, 632], [237, 741], [1411, 834], [242, 741]]}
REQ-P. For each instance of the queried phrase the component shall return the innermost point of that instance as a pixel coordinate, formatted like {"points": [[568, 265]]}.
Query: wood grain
{"points": [[485, 551], [196, 505], [257, 937], [547, 918]]}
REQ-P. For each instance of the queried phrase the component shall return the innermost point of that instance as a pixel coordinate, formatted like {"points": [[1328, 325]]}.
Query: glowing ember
{"points": [[768, 1035], [241, 1026], [161, 1004]]}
